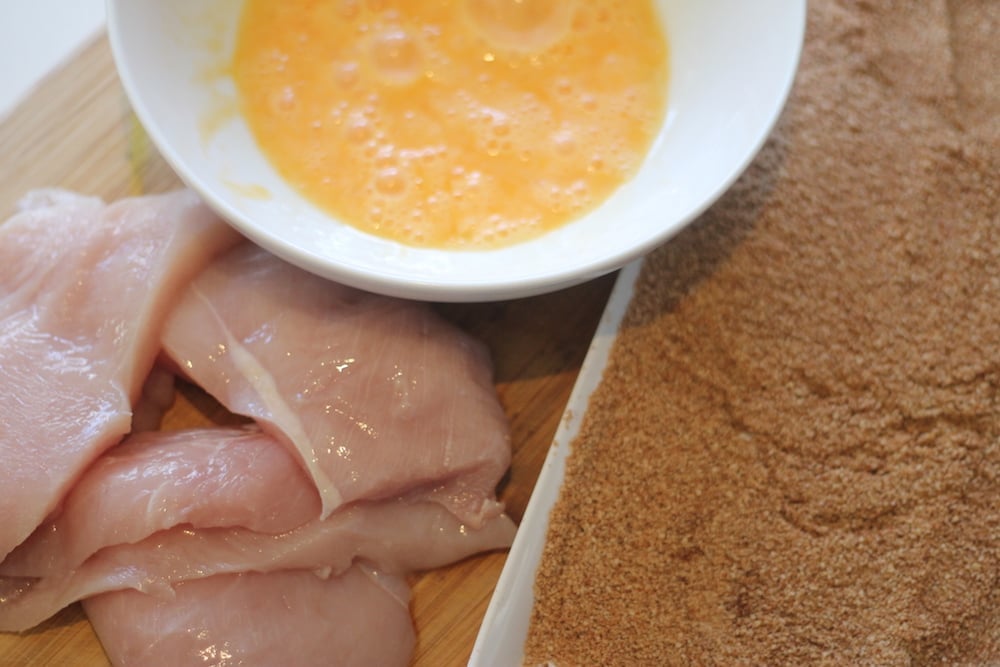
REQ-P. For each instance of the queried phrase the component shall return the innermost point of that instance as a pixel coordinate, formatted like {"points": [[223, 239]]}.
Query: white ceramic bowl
{"points": [[732, 65]]}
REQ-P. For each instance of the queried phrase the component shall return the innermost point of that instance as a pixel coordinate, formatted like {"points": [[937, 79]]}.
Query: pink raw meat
{"points": [[378, 397], [359, 619], [395, 535], [157, 480], [83, 291]]}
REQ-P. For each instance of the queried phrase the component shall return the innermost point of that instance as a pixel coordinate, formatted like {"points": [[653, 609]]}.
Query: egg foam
{"points": [[468, 124]]}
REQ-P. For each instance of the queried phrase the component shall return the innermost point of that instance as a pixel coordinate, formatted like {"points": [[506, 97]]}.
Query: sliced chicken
{"points": [[358, 619], [198, 478], [396, 536], [377, 397], [84, 289], [167, 507]]}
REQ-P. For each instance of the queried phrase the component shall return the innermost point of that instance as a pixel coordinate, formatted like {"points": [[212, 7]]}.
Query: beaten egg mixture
{"points": [[453, 123]]}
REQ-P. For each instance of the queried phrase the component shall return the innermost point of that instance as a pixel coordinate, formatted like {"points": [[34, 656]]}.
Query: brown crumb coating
{"points": [[794, 453]]}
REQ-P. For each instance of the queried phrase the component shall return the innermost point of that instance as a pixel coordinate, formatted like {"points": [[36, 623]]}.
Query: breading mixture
{"points": [[794, 454]]}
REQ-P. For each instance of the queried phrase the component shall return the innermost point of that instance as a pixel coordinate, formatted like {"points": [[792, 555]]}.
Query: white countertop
{"points": [[36, 36]]}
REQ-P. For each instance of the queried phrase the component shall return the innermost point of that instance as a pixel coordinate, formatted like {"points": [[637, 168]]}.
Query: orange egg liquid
{"points": [[453, 123]]}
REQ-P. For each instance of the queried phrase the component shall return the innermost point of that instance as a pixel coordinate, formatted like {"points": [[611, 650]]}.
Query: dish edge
{"points": [[505, 626]]}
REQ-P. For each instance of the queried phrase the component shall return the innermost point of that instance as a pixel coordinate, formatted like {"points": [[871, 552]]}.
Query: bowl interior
{"points": [[732, 64]]}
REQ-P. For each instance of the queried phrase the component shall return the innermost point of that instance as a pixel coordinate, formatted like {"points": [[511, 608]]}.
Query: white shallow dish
{"points": [[505, 627], [732, 65]]}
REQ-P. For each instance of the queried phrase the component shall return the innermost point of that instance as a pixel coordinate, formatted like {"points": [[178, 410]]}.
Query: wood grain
{"points": [[76, 131]]}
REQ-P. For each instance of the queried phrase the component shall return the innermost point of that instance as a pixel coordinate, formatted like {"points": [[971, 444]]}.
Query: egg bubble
{"points": [[347, 74], [390, 181], [395, 57], [282, 100], [525, 26], [386, 156], [359, 130], [564, 140]]}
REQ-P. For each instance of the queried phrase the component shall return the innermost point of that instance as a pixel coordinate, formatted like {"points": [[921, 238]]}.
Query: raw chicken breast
{"points": [[378, 397], [157, 480], [83, 290], [359, 619], [397, 536], [166, 507]]}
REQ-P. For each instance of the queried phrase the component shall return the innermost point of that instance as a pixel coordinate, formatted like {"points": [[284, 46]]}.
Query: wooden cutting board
{"points": [[76, 131]]}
